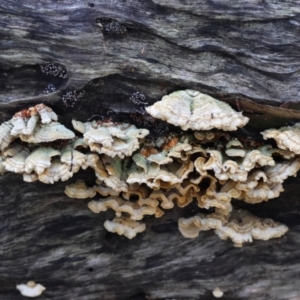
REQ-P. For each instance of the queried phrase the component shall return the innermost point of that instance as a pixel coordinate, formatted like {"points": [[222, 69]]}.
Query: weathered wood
{"points": [[257, 58], [56, 52]]}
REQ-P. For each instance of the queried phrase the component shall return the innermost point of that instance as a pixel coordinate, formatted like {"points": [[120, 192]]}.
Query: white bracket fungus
{"points": [[240, 226], [31, 289], [217, 292], [287, 137], [123, 226], [191, 109], [79, 190]]}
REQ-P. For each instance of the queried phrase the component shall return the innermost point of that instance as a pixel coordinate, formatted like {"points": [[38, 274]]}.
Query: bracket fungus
{"points": [[31, 289], [217, 292], [287, 138], [79, 190], [123, 226], [138, 174], [191, 109], [112, 139], [240, 226]]}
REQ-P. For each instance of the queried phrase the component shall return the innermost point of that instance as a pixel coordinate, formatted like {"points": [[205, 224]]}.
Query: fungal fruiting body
{"points": [[191, 109], [137, 176], [31, 289], [217, 292]]}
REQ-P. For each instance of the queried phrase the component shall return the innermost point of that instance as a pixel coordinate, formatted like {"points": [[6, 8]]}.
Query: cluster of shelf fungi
{"points": [[139, 176]]}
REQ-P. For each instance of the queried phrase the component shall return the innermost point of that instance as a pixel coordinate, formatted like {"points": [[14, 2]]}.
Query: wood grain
{"points": [[110, 51]]}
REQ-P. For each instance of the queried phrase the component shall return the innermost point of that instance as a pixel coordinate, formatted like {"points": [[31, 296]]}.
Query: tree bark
{"points": [[88, 59]]}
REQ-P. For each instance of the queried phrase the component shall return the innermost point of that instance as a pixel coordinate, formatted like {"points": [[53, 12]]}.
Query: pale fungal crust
{"points": [[240, 226], [287, 138], [191, 109], [31, 289], [123, 226], [79, 190]]}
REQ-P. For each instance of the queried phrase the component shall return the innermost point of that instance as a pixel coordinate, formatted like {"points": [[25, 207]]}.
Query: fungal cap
{"points": [[217, 292], [287, 137], [79, 190], [123, 226], [46, 113], [40, 159], [120, 206], [31, 289], [191, 109], [16, 163], [57, 171], [48, 133]]}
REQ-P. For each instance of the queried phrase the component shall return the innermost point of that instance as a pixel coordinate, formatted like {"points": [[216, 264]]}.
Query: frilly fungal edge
{"points": [[138, 176]]}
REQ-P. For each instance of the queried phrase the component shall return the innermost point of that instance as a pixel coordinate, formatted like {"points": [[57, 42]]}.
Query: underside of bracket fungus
{"points": [[138, 175]]}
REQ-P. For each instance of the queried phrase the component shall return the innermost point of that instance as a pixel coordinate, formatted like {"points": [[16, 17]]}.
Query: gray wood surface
{"points": [[56, 52]]}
